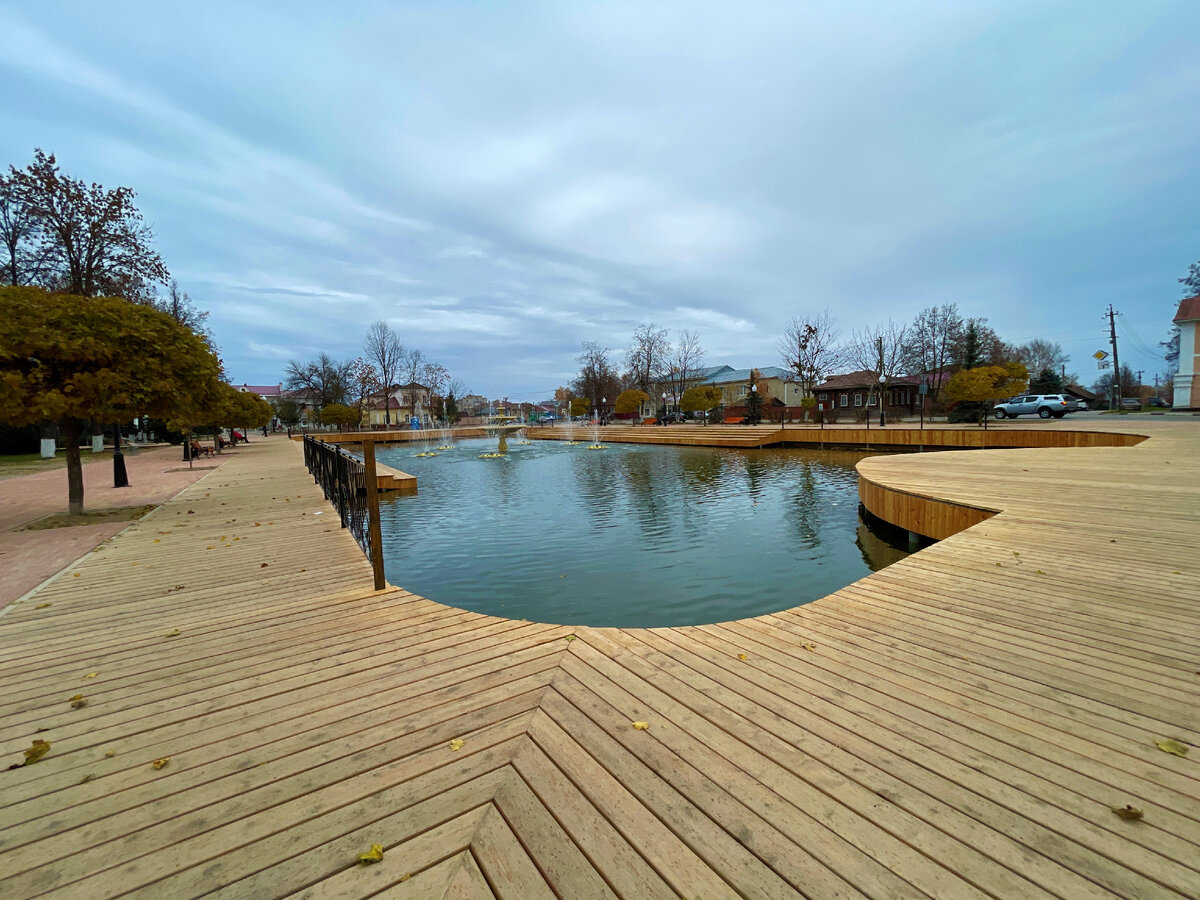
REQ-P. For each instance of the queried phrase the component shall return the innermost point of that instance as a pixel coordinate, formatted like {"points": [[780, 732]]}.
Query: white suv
{"points": [[1045, 405]]}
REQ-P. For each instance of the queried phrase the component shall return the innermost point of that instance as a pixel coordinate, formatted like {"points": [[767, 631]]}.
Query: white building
{"points": [[1187, 379]]}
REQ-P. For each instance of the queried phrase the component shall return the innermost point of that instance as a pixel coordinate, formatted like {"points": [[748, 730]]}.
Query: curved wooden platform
{"points": [[960, 724]]}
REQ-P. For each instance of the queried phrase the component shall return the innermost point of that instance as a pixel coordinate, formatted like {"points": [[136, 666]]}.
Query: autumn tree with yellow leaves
{"points": [[72, 358]]}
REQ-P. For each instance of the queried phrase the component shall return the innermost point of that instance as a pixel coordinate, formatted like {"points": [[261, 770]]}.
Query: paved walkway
{"points": [[960, 724], [28, 558]]}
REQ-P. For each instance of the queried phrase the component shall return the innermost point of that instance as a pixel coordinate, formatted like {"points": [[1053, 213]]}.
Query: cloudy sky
{"points": [[501, 181]]}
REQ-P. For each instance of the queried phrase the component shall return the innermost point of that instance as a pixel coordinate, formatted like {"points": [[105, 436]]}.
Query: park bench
{"points": [[733, 420]]}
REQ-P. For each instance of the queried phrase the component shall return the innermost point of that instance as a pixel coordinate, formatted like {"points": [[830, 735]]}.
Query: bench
{"points": [[732, 420]]}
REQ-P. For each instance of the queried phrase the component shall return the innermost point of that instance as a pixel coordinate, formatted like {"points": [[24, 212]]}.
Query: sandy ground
{"points": [[27, 558]]}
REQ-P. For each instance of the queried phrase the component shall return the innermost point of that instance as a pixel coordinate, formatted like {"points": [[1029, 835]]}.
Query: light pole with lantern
{"points": [[882, 390]]}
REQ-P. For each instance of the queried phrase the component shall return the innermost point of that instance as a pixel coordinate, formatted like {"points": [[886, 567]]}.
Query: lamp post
{"points": [[882, 416], [754, 390], [603, 403], [663, 420]]}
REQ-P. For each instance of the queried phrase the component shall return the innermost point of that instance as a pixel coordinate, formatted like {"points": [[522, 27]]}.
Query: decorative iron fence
{"points": [[350, 485]]}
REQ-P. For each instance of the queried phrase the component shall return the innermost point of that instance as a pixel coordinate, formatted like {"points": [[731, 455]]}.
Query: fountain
{"points": [[595, 430], [501, 430], [444, 440]]}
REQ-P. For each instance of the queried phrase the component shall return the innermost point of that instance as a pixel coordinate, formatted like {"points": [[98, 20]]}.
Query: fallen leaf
{"points": [[110, 754], [78, 701], [808, 646], [569, 637], [159, 763], [1128, 812], [1172, 746], [374, 855], [157, 541], [91, 674], [457, 744], [405, 877], [86, 778], [743, 656], [39, 749], [263, 566], [44, 605], [174, 633], [640, 726]]}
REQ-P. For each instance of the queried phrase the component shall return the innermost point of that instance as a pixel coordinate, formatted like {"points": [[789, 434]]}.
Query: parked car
{"points": [[1075, 404], [1131, 403], [673, 418], [1158, 402], [1044, 405]]}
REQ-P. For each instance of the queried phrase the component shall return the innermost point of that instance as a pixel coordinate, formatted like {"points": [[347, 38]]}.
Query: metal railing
{"points": [[351, 485]]}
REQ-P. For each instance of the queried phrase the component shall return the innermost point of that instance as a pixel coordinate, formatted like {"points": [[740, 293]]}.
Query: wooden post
{"points": [[373, 529]]}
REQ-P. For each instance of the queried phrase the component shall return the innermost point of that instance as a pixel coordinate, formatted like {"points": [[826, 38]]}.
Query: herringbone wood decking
{"points": [[960, 724]]}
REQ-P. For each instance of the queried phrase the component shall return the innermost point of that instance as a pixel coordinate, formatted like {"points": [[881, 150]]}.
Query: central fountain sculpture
{"points": [[502, 431]]}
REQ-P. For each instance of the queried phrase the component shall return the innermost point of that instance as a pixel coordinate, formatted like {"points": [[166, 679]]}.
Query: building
{"points": [[774, 385], [860, 391], [1187, 379]]}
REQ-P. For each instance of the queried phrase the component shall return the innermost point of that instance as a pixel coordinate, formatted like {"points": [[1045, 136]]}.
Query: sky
{"points": [[503, 181]]}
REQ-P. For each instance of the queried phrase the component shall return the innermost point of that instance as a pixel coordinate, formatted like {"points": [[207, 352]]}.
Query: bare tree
{"points": [[179, 306], [879, 349], [362, 383], [385, 353], [22, 258], [931, 339], [809, 349], [435, 377], [323, 380], [1039, 355], [684, 361], [93, 240], [412, 365], [597, 380], [647, 356]]}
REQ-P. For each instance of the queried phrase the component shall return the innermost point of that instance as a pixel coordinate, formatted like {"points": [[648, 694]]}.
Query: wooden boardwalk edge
{"points": [[962, 723]]}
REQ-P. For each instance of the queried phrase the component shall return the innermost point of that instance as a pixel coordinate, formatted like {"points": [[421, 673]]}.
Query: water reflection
{"points": [[632, 535]]}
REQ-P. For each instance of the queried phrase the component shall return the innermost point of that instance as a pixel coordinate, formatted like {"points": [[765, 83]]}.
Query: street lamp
{"points": [[664, 408], [882, 416], [603, 403]]}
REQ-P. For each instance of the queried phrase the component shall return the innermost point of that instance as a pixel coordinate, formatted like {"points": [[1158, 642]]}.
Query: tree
{"points": [[685, 360], [983, 386], [288, 411], [1048, 381], [930, 342], [384, 351], [880, 350], [647, 356], [1103, 385], [700, 398], [22, 259], [597, 377], [631, 401], [362, 383], [580, 406], [978, 344], [71, 359], [93, 241], [340, 414], [179, 306], [809, 349], [1191, 281], [411, 366], [450, 408], [322, 379], [435, 377], [1039, 355]]}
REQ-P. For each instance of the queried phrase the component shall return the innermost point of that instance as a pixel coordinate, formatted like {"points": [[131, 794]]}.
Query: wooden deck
{"points": [[958, 725]]}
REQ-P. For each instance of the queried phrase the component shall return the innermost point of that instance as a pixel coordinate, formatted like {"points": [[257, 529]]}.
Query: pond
{"points": [[632, 535]]}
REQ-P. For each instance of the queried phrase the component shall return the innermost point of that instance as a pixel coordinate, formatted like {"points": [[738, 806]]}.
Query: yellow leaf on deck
{"points": [[159, 763], [808, 646], [157, 541], [374, 855], [1172, 746], [110, 754], [1128, 812], [569, 637], [91, 674], [39, 749], [86, 778], [640, 726], [457, 744], [44, 605], [405, 876], [78, 701], [173, 633], [743, 656]]}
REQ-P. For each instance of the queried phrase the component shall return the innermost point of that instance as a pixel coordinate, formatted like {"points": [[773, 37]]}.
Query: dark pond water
{"points": [[631, 535]]}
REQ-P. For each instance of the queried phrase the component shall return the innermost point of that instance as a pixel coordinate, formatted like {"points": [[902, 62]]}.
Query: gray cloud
{"points": [[502, 181]]}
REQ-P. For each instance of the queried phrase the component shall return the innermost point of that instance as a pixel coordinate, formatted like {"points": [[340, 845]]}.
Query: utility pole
{"points": [[1112, 335]]}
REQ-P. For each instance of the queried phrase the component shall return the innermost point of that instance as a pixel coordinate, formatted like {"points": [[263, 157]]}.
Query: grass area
{"points": [[89, 517], [28, 463]]}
